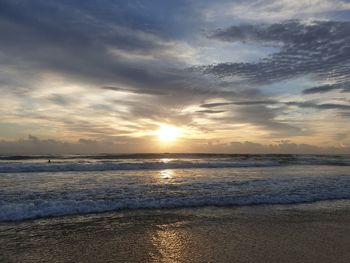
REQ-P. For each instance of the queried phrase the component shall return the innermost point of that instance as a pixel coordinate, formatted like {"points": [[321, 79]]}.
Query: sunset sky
{"points": [[174, 76]]}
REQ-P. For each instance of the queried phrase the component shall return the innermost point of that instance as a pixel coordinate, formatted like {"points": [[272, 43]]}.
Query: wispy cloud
{"points": [[142, 91], [343, 87], [324, 106], [272, 10]]}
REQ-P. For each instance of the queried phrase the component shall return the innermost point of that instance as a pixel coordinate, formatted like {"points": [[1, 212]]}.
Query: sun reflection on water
{"points": [[172, 245], [166, 174]]}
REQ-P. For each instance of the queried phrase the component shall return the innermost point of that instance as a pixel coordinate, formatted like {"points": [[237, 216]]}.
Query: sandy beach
{"points": [[318, 232]]}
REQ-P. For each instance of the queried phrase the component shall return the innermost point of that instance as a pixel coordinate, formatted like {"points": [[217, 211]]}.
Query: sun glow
{"points": [[167, 133]]}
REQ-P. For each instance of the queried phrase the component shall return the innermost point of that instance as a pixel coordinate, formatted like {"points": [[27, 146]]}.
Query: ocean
{"points": [[32, 187]]}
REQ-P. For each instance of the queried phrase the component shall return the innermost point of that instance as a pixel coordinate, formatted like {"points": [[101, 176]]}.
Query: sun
{"points": [[168, 133]]}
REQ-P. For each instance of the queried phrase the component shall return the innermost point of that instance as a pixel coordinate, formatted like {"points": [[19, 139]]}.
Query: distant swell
{"points": [[27, 168], [157, 165]]}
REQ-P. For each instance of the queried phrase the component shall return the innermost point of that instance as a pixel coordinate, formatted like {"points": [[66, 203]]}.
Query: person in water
{"points": [[49, 161]]}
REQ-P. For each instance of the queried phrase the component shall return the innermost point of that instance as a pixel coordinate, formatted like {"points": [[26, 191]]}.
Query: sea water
{"points": [[32, 187]]}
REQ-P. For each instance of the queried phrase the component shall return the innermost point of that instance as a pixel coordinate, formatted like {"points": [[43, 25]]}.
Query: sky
{"points": [[242, 76]]}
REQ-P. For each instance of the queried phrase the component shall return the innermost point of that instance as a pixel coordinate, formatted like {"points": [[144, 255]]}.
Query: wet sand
{"points": [[302, 233]]}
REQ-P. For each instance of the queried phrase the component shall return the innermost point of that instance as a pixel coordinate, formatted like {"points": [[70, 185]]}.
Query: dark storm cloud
{"points": [[344, 87], [320, 48]]}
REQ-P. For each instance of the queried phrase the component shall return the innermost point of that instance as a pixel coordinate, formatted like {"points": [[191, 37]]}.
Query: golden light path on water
{"points": [[172, 243], [166, 174]]}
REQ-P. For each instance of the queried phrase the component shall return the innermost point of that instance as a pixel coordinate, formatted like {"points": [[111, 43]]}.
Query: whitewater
{"points": [[32, 187]]}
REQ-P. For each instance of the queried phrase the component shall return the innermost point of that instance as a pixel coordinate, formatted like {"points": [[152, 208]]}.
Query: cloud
{"points": [[210, 111], [74, 40], [74, 69], [214, 105], [247, 103], [320, 48], [345, 114], [34, 145], [265, 118], [274, 10], [304, 104], [285, 147], [265, 114], [344, 87], [61, 55], [143, 91], [60, 99], [255, 112], [324, 106]]}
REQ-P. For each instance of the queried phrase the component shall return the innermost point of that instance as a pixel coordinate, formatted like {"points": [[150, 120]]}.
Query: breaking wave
{"points": [[29, 205]]}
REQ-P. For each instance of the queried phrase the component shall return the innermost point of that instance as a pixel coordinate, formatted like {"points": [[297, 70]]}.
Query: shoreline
{"points": [[312, 232]]}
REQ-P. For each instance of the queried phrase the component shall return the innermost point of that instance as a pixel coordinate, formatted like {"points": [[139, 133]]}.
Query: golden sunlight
{"points": [[167, 133]]}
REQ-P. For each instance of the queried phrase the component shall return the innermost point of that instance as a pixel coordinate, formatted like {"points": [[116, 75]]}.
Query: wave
{"points": [[33, 205], [72, 207], [173, 156]]}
